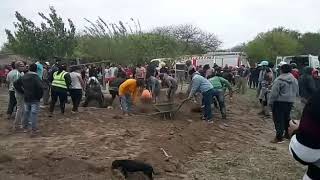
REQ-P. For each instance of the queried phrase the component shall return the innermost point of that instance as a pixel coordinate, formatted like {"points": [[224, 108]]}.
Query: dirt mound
{"points": [[83, 145]]}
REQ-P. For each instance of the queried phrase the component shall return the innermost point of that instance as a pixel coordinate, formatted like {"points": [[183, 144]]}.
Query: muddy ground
{"points": [[82, 146]]}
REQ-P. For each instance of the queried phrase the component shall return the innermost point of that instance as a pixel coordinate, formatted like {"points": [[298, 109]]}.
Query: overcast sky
{"points": [[233, 21]]}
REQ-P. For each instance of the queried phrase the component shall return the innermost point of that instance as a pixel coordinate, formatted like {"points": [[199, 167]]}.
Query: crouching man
{"points": [[93, 92]]}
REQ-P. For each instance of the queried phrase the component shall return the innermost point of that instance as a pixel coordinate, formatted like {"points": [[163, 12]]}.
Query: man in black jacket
{"points": [[30, 85]]}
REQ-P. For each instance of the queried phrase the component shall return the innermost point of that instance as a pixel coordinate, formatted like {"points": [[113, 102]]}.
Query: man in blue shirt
{"points": [[202, 85]]}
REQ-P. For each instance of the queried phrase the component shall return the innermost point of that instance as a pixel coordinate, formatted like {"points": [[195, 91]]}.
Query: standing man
{"points": [[39, 69], [283, 94], [31, 87], [77, 85], [202, 85], [19, 97], [12, 76], [46, 83], [244, 74], [307, 85], [140, 72], [61, 82]]}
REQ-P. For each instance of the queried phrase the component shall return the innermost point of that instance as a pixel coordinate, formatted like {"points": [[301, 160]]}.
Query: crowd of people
{"points": [[278, 88]]}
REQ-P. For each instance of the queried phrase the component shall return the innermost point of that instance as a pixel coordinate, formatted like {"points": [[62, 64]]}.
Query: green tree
{"points": [[51, 38], [271, 44], [310, 43]]}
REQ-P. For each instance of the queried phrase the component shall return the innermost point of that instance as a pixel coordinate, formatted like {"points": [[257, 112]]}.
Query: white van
{"points": [[301, 61]]}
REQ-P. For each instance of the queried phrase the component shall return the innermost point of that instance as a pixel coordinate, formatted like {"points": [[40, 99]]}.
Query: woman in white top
{"points": [[77, 85]]}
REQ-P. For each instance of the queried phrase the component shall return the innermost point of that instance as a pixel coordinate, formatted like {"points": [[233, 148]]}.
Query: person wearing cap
{"points": [[46, 83], [61, 82], [265, 81], [283, 94]]}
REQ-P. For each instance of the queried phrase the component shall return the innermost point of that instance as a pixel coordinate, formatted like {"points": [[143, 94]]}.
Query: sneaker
{"points": [[73, 112], [277, 141], [210, 121], [203, 118]]}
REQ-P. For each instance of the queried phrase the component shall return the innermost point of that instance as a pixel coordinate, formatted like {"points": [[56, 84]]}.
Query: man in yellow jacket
{"points": [[127, 92]]}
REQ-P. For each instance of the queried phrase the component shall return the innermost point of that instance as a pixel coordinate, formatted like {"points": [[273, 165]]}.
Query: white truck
{"points": [[301, 60], [219, 58]]}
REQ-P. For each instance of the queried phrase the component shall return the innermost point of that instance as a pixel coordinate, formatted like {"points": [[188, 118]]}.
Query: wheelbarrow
{"points": [[167, 110]]}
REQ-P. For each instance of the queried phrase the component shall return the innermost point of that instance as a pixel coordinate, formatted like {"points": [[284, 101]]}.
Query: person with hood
{"points": [[30, 86], [305, 143], [307, 84], [202, 85], [283, 94], [61, 82], [172, 85]]}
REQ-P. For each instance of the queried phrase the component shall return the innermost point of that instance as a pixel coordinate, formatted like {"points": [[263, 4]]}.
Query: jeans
{"points": [[207, 98], [126, 103], [281, 117], [76, 96], [20, 110], [63, 97], [31, 110], [12, 102], [219, 95]]}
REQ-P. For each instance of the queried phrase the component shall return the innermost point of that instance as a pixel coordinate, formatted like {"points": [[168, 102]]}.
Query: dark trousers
{"points": [[219, 95], [94, 97], [12, 102], [281, 117], [207, 98], [63, 97], [114, 94], [76, 96], [250, 83]]}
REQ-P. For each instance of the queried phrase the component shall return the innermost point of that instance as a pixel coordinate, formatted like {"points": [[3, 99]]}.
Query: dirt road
{"points": [[82, 146]]}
